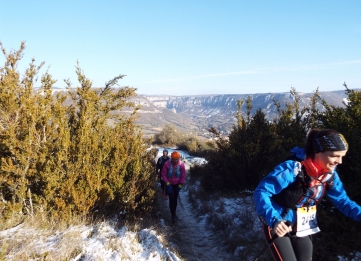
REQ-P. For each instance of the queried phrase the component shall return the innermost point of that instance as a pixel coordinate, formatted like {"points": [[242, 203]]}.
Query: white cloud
{"points": [[255, 71]]}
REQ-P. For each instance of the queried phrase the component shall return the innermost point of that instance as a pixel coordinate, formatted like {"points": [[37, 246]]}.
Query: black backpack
{"points": [[161, 161], [290, 196]]}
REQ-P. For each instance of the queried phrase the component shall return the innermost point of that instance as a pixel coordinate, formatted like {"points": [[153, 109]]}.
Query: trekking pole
{"points": [[271, 242], [265, 247]]}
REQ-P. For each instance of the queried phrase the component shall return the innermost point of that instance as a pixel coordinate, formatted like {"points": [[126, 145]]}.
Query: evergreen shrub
{"points": [[256, 145], [61, 155], [170, 136]]}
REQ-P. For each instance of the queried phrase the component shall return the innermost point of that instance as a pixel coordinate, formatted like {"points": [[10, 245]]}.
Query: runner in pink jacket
{"points": [[174, 176]]}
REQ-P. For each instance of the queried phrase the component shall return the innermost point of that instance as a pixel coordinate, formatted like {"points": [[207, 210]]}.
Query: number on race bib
{"points": [[306, 221]]}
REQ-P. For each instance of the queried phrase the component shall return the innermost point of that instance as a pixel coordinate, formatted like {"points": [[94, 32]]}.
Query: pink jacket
{"points": [[174, 174]]}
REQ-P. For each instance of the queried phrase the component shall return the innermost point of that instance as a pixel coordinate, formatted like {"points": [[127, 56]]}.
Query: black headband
{"points": [[332, 142]]}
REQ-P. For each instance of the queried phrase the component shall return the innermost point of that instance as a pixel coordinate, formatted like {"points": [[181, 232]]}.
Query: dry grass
{"points": [[43, 238], [13, 220], [27, 240]]}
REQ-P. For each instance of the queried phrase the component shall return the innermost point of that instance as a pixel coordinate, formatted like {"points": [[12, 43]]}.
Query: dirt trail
{"points": [[191, 236]]}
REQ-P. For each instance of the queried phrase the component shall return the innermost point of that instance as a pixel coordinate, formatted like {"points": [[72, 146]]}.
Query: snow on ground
{"points": [[96, 242], [184, 155], [236, 221], [358, 257], [210, 222], [196, 229], [195, 239]]}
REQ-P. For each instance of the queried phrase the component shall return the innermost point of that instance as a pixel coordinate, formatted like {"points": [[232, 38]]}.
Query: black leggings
{"points": [[173, 199], [289, 248], [162, 184]]}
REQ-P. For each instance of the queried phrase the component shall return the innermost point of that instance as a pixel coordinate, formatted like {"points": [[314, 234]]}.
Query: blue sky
{"points": [[192, 47]]}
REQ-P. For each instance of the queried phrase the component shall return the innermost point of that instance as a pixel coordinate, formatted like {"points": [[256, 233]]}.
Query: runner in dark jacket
{"points": [[158, 169], [287, 204]]}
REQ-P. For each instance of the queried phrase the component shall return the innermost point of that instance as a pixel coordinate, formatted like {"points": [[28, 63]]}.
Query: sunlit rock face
{"points": [[200, 112], [219, 110]]}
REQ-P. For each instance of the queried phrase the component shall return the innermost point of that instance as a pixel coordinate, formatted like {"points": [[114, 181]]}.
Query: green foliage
{"points": [[348, 121], [341, 229], [256, 146], [170, 136], [68, 159]]}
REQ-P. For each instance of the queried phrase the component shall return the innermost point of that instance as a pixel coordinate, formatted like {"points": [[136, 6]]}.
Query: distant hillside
{"points": [[199, 112], [152, 117]]}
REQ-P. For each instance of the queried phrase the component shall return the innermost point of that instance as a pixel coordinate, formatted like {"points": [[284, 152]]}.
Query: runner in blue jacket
{"points": [[286, 199]]}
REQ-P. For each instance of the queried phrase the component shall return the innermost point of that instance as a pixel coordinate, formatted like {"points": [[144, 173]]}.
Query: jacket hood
{"points": [[299, 153]]}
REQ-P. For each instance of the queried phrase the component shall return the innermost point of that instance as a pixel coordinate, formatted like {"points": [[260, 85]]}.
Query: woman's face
{"points": [[329, 159], [174, 161]]}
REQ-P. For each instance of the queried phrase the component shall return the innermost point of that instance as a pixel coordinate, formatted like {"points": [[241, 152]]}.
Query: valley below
{"points": [[201, 112]]}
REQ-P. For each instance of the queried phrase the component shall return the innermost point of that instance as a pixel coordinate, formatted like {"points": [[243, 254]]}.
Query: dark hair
{"points": [[315, 134]]}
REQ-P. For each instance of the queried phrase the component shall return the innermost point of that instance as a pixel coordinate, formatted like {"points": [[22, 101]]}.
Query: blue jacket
{"points": [[283, 175]]}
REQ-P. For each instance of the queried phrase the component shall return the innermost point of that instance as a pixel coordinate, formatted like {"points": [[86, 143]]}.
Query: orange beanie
{"points": [[175, 155]]}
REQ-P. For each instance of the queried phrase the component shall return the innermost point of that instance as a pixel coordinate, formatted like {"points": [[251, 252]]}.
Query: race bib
{"points": [[306, 221]]}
